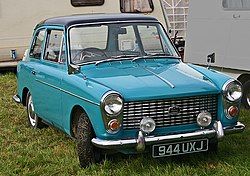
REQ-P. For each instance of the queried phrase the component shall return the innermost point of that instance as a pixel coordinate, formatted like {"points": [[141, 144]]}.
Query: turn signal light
{"points": [[114, 125], [233, 111]]}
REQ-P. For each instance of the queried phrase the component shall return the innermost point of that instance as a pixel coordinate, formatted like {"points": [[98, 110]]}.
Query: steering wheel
{"points": [[90, 52]]}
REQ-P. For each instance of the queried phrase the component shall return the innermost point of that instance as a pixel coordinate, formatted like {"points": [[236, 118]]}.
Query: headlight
{"points": [[112, 103], [232, 91]]}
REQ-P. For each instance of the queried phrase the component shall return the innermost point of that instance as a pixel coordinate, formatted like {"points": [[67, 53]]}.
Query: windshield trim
{"points": [[115, 22]]}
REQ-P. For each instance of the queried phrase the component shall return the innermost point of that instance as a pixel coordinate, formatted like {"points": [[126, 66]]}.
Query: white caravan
{"points": [[18, 19], [221, 27]]}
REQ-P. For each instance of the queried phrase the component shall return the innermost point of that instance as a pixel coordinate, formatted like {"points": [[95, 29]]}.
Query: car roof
{"points": [[93, 18]]}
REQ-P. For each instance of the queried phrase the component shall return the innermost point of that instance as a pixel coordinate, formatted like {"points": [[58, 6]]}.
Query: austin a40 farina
{"points": [[116, 83]]}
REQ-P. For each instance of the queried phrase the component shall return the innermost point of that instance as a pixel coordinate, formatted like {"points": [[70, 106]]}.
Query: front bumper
{"points": [[16, 98], [216, 132]]}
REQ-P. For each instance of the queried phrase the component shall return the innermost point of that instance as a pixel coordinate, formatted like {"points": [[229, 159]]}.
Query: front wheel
{"points": [[86, 151], [246, 95], [33, 119]]}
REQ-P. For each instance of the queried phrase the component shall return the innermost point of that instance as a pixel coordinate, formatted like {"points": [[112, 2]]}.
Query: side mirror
{"points": [[210, 59], [73, 69]]}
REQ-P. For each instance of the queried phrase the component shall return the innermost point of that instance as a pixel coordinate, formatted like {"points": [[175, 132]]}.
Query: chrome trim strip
{"points": [[158, 76], [114, 22], [67, 92], [149, 140]]}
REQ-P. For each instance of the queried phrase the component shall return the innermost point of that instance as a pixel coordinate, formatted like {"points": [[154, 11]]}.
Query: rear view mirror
{"points": [[122, 31], [210, 59]]}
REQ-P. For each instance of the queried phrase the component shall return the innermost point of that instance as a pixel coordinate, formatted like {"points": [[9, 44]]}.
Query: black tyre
{"points": [[246, 95], [87, 153], [33, 119]]}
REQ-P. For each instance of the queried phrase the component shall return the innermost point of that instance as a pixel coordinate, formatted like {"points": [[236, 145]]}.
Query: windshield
{"points": [[95, 43]]}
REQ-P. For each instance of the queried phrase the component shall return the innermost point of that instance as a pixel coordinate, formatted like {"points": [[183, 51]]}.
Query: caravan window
{"points": [[236, 4], [77, 3], [137, 6]]}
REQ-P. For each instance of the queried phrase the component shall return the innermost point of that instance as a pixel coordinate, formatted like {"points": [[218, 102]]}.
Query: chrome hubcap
{"points": [[31, 112]]}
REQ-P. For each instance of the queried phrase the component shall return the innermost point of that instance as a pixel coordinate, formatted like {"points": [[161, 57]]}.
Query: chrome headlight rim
{"points": [[228, 86], [104, 105]]}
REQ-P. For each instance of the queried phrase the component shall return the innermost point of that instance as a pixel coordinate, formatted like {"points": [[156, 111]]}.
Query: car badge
{"points": [[173, 110]]}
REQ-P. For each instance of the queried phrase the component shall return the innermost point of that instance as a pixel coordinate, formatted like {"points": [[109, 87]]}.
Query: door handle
{"points": [[236, 16], [33, 72]]}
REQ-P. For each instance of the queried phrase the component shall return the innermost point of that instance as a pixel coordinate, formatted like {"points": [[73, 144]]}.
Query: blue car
{"points": [[115, 82]]}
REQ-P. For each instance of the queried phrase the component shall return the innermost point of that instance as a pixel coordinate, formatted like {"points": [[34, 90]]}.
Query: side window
{"points": [[78, 3], [236, 4], [36, 48], [136, 6], [53, 45]]}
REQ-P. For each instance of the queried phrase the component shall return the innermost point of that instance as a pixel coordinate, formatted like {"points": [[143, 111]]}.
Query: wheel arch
{"points": [[24, 95], [76, 111]]}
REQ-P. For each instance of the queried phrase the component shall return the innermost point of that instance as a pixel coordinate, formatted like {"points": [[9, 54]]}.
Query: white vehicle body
{"points": [[221, 27], [18, 19]]}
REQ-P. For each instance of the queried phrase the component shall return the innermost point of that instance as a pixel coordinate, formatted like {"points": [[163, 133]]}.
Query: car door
{"points": [[49, 73], [30, 68]]}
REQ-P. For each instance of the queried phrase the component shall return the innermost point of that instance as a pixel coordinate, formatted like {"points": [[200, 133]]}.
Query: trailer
{"points": [[18, 19], [221, 27]]}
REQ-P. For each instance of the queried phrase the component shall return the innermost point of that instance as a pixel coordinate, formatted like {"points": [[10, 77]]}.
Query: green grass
{"points": [[25, 151]]}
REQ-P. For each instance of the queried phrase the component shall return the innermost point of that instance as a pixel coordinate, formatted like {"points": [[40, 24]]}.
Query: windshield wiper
{"points": [[115, 58], [155, 55], [125, 56]]}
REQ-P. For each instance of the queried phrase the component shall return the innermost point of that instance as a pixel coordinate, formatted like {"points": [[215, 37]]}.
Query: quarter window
{"points": [[78, 3], [53, 45], [236, 4], [36, 49], [136, 6]]}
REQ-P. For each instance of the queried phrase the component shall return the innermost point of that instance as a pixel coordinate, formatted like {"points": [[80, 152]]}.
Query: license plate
{"points": [[179, 148]]}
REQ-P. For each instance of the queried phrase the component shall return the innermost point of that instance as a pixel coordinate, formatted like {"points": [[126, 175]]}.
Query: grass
{"points": [[25, 151]]}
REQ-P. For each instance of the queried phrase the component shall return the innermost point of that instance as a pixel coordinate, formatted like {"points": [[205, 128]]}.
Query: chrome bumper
{"points": [[217, 132], [16, 98]]}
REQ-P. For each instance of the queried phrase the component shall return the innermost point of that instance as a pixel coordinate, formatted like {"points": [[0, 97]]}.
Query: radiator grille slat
{"points": [[189, 107]]}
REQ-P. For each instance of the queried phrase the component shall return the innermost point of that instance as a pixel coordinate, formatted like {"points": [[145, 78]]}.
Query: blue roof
{"points": [[92, 18]]}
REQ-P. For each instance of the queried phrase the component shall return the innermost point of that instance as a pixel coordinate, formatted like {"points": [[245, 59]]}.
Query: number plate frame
{"points": [[179, 148]]}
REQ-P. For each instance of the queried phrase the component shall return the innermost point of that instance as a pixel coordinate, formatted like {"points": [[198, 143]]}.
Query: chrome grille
{"points": [[189, 108]]}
